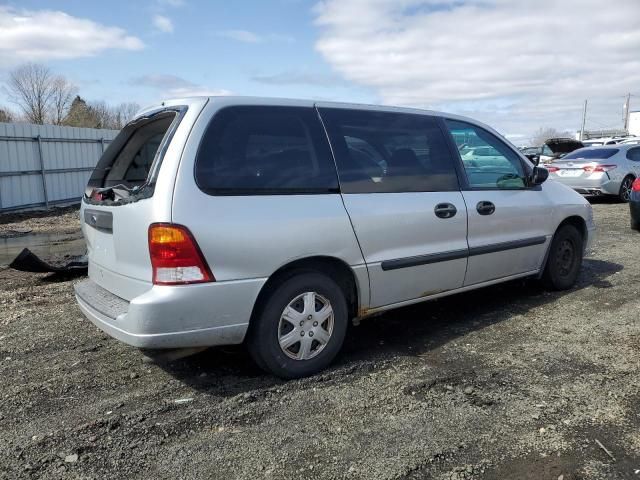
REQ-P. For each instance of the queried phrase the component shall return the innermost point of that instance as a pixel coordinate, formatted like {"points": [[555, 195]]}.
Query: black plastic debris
{"points": [[27, 261]]}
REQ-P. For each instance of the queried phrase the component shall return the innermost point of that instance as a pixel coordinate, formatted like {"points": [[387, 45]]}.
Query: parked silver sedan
{"points": [[603, 170]]}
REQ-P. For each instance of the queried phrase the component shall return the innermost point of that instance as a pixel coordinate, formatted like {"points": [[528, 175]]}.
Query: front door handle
{"points": [[445, 210], [485, 208]]}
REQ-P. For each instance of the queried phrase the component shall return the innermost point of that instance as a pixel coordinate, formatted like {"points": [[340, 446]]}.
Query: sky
{"points": [[518, 65]]}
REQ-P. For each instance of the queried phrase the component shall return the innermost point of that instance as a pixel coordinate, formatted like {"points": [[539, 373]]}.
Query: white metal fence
{"points": [[44, 165]]}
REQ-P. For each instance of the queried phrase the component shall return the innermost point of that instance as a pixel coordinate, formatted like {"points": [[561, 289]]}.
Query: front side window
{"points": [[265, 150], [389, 152], [488, 161]]}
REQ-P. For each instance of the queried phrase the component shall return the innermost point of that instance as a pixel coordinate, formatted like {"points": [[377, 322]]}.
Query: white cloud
{"points": [[518, 64], [246, 36], [172, 86], [41, 35], [162, 23]]}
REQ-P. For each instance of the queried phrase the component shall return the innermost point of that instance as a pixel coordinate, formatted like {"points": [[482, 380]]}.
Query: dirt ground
{"points": [[509, 382], [61, 220]]}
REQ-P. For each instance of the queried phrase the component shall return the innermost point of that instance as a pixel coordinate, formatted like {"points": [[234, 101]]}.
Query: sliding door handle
{"points": [[445, 210], [485, 208]]}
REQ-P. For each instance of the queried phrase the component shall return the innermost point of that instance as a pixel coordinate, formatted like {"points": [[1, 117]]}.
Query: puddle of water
{"points": [[42, 244]]}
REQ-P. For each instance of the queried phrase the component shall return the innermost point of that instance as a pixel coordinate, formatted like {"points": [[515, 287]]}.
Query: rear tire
{"points": [[564, 260], [300, 327], [635, 224], [625, 189]]}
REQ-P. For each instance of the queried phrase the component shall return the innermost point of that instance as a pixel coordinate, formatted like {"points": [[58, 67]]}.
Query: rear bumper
{"points": [[591, 186], [199, 315]]}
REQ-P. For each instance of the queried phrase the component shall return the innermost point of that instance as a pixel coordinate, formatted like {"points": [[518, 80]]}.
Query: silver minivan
{"points": [[223, 220]]}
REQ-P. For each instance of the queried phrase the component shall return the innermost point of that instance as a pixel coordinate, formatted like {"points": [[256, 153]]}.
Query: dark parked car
{"points": [[634, 204], [555, 148]]}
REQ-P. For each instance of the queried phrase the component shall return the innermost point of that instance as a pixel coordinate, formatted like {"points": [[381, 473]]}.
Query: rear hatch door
{"points": [[131, 188]]}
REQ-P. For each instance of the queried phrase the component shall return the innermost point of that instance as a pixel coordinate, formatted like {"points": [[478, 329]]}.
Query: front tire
{"points": [[625, 189], [300, 327], [564, 260]]}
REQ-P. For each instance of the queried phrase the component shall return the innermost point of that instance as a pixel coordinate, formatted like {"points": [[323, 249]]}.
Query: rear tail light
{"points": [[599, 168], [175, 256], [636, 185], [552, 169]]}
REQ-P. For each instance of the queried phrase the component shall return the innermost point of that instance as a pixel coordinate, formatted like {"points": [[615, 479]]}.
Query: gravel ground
{"points": [[506, 382]]}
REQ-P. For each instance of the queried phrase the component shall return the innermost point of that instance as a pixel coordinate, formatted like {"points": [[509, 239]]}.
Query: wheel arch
{"points": [[574, 220], [335, 268], [578, 222], [628, 176]]}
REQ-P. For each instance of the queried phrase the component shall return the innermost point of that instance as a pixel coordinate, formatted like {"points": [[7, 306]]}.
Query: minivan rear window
{"points": [[591, 153], [389, 152], [133, 158], [265, 150]]}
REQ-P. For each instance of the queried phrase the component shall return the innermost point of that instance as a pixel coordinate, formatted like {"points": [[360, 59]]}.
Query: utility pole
{"points": [[584, 119], [625, 113]]}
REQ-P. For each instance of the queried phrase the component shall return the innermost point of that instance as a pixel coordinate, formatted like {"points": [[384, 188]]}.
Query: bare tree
{"points": [[42, 96], [545, 133], [30, 88], [62, 94], [124, 112], [102, 114], [6, 116]]}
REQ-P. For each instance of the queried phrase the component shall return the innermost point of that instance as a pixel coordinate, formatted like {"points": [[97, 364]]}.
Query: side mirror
{"points": [[534, 157], [539, 175]]}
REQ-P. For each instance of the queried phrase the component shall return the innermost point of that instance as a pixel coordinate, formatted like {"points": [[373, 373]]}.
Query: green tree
{"points": [[81, 115]]}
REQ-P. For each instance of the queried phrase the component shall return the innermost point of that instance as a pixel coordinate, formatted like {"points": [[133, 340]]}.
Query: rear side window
{"points": [[389, 152], [596, 153], [633, 154], [265, 150]]}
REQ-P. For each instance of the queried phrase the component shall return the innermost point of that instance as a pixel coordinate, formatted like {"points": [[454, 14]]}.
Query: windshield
{"points": [[588, 153]]}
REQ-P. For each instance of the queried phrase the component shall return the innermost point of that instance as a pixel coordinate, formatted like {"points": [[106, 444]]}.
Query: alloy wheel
{"points": [[625, 189]]}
